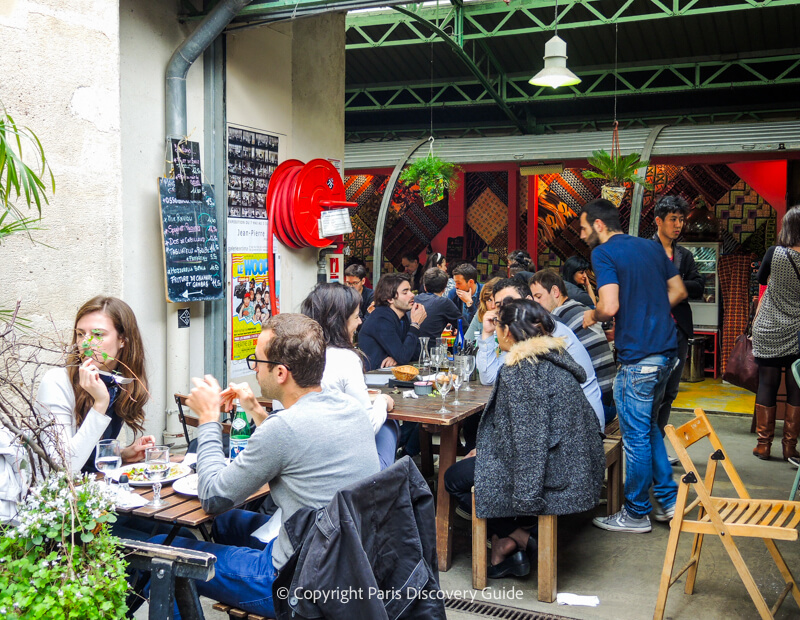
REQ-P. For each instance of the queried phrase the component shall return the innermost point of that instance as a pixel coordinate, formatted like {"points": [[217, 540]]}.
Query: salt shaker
{"points": [[123, 483]]}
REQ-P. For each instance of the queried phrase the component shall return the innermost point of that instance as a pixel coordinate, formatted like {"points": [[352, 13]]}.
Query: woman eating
{"points": [[88, 406]]}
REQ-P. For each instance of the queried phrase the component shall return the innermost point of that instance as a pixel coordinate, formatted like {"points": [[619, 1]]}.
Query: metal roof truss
{"points": [[626, 80]]}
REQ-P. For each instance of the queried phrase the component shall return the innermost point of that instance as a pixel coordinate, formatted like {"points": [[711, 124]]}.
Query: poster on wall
{"points": [[249, 288], [252, 158]]}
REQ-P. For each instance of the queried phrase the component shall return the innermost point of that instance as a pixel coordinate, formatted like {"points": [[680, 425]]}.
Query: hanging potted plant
{"points": [[618, 170], [433, 176]]}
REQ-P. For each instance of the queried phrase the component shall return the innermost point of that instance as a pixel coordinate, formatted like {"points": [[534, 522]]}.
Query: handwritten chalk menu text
{"points": [[191, 245], [188, 174]]}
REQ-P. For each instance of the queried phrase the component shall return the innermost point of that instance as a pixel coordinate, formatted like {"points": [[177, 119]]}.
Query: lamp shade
{"points": [[555, 72]]}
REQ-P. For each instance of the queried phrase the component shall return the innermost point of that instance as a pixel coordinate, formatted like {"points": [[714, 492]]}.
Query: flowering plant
{"points": [[48, 569]]}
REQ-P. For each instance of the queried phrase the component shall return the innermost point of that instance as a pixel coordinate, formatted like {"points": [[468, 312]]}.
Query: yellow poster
{"points": [[250, 303]]}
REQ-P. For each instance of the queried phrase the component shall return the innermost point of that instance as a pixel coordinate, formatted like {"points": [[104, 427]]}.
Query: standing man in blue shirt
{"points": [[638, 285]]}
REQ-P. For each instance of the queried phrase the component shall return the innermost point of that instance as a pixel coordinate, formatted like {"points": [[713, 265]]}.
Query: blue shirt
{"points": [[641, 268], [466, 313]]}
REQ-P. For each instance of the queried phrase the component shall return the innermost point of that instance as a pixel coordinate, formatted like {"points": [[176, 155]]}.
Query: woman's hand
{"points": [[389, 402], [488, 323], [135, 452], [90, 381]]}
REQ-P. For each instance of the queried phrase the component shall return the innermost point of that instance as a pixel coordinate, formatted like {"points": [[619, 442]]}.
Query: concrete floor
{"points": [[623, 570]]}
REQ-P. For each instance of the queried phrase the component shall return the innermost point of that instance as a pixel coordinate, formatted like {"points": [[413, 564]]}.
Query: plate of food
{"points": [[186, 485], [137, 476]]}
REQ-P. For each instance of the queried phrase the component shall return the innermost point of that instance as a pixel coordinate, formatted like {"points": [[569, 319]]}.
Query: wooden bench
{"points": [[547, 561], [172, 575]]}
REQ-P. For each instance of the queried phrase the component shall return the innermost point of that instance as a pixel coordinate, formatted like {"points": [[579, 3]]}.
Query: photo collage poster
{"points": [[252, 158]]}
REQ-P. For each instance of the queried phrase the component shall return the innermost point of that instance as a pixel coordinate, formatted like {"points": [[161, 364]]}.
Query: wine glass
{"points": [[107, 457], [468, 370], [457, 377], [443, 381], [156, 461]]}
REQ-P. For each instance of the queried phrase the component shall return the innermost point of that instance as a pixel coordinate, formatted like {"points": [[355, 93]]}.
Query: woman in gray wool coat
{"points": [[539, 447]]}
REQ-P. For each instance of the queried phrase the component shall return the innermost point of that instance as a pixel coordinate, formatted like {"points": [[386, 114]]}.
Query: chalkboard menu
{"points": [[191, 245], [455, 248]]}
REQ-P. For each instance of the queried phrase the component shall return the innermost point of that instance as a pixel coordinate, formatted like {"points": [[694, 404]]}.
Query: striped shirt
{"points": [[594, 340]]}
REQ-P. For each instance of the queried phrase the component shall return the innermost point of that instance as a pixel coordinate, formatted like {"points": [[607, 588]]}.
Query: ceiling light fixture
{"points": [[555, 72]]}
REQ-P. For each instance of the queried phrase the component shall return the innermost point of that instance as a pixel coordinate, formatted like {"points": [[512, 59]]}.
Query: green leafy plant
{"points": [[18, 178], [61, 561], [617, 169], [433, 175]]}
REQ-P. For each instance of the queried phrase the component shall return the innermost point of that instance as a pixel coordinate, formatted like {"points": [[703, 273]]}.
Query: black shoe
{"points": [[532, 549], [516, 564]]}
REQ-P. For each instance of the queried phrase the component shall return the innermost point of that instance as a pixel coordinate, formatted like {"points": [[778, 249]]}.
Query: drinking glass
{"points": [[468, 370], [457, 377], [157, 464], [443, 381], [107, 457], [436, 357]]}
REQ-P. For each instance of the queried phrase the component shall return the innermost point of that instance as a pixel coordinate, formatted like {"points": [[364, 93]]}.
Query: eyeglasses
{"points": [[252, 361], [495, 320]]}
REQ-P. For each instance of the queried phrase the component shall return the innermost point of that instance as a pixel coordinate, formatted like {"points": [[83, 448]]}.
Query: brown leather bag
{"points": [[741, 369]]}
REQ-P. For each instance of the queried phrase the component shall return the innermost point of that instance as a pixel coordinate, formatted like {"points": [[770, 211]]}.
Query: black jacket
{"points": [[440, 311], [375, 541], [694, 282], [539, 445], [385, 334]]}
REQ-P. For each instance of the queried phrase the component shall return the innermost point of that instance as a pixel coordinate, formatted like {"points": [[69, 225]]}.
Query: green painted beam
{"points": [[484, 82], [631, 80], [494, 19], [722, 118]]}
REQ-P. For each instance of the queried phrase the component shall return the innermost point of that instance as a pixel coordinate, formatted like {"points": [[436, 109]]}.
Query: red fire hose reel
{"points": [[298, 193]]}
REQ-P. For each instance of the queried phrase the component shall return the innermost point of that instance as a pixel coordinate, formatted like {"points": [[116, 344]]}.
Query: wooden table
{"points": [[179, 510], [423, 410]]}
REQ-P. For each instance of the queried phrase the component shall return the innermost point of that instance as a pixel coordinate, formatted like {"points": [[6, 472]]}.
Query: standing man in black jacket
{"points": [[670, 213]]}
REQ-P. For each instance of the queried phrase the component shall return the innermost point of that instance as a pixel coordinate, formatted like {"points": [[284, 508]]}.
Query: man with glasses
{"points": [[320, 443]]}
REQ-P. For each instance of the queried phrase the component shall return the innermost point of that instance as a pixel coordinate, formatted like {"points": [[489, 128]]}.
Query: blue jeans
{"points": [[386, 443], [638, 392], [243, 574]]}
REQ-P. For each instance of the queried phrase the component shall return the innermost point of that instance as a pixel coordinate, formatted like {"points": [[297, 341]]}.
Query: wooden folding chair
{"points": [[191, 419], [769, 520]]}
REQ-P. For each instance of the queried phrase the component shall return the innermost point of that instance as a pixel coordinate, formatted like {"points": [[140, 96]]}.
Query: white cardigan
{"points": [[345, 372], [57, 397]]}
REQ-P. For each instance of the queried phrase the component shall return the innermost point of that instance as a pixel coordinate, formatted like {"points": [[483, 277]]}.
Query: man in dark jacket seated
{"points": [[388, 336], [440, 309], [355, 276], [290, 450]]}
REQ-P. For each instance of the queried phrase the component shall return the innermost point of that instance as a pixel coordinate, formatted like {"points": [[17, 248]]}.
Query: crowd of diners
{"points": [[544, 342]]}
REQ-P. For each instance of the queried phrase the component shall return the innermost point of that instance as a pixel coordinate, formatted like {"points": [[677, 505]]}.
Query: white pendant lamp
{"points": [[555, 72]]}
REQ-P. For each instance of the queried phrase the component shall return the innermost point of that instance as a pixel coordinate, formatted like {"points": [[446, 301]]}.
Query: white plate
{"points": [[179, 470], [187, 485]]}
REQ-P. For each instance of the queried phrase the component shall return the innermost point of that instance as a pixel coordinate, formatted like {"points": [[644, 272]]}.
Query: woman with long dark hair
{"points": [[539, 448], [336, 308], [776, 331], [87, 406], [574, 272]]}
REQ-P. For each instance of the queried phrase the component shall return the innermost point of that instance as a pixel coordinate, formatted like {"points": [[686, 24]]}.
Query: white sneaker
{"points": [[623, 521], [660, 514]]}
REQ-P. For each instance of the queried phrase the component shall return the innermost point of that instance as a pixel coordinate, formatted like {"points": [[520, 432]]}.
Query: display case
{"points": [[705, 311]]}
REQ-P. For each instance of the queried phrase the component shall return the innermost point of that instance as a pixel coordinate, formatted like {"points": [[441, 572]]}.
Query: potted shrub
{"points": [[617, 170], [433, 176]]}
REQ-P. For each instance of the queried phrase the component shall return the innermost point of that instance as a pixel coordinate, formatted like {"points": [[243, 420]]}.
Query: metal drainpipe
{"points": [[177, 357]]}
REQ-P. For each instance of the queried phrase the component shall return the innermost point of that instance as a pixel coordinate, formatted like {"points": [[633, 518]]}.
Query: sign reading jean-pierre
{"points": [[191, 245]]}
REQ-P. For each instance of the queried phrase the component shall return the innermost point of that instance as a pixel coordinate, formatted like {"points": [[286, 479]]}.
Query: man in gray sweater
{"points": [[320, 443]]}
